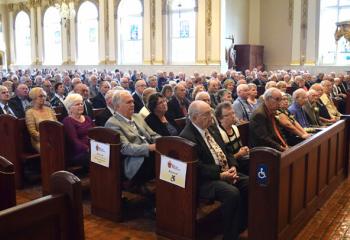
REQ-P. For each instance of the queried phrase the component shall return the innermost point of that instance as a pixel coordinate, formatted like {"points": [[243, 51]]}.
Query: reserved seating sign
{"points": [[173, 171], [100, 153]]}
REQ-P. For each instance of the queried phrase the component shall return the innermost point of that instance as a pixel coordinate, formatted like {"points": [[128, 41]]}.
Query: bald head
{"points": [[200, 114]]}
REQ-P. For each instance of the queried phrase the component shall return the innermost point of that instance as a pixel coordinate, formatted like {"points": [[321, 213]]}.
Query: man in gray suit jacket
{"points": [[137, 138]]}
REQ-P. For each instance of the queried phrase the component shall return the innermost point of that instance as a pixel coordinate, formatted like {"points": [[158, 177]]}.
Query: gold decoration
{"points": [[10, 7], [295, 63], [304, 14], [290, 12], [343, 30], [158, 62], [209, 22], [201, 62]]}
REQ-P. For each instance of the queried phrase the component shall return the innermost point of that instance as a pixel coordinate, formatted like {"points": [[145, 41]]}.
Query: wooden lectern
{"points": [[249, 56]]}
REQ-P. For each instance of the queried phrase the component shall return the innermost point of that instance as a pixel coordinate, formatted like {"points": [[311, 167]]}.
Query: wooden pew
{"points": [[181, 123], [244, 133], [97, 111], [52, 151], [287, 188], [347, 103], [57, 216], [178, 211], [7, 184], [106, 183], [15, 144]]}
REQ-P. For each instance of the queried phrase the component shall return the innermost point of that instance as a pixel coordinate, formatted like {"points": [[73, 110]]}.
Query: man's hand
{"points": [[230, 175], [152, 147], [243, 151]]}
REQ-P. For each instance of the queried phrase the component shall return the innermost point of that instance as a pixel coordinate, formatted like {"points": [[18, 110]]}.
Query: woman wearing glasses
{"points": [[36, 114]]}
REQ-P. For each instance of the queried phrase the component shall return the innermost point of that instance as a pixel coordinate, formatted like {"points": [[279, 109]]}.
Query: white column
{"points": [[111, 32], [33, 35], [147, 56], [201, 57], [310, 56], [40, 36], [72, 38], [296, 33], [158, 38], [215, 42], [12, 39], [254, 22], [102, 32]]}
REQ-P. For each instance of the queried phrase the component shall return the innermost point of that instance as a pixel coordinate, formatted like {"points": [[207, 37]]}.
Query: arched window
{"points": [[182, 31], [22, 39], [88, 33], [330, 52], [52, 37], [130, 32]]}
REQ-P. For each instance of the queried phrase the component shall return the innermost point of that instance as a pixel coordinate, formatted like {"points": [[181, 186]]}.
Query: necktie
{"points": [[215, 148], [183, 109], [7, 110], [275, 128]]}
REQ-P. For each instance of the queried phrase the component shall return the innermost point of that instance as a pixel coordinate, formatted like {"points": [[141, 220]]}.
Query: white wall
{"points": [[237, 20]]}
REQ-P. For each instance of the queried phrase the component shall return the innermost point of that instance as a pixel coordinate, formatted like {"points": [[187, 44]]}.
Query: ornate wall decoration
{"points": [[209, 22], [290, 12], [304, 15]]}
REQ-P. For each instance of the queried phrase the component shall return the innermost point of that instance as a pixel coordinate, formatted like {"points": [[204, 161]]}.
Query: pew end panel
{"points": [[263, 199], [106, 183], [57, 216], [180, 123], [176, 206], [7, 184], [244, 133], [52, 151]]}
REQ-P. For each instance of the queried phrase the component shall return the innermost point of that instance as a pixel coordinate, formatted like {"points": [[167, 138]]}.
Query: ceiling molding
{"points": [[11, 1]]}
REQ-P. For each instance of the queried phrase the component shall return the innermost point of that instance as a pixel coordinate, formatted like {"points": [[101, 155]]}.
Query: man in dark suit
{"points": [[218, 176], [178, 105], [99, 101], [5, 106], [263, 127], [57, 100], [21, 101], [83, 90], [101, 119], [140, 86]]}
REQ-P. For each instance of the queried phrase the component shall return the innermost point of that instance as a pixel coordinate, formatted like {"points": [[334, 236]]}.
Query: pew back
{"points": [[182, 202], [106, 203], [57, 216], [295, 183], [7, 184]]}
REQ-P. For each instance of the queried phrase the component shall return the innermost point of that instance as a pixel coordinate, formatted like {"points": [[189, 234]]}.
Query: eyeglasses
{"points": [[42, 96], [277, 99]]}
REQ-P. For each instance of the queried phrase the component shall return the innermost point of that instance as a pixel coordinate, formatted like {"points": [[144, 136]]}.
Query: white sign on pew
{"points": [[173, 171], [100, 153]]}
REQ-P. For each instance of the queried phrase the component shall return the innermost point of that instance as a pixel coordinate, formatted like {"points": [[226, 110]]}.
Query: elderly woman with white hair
{"points": [[36, 114], [76, 126]]}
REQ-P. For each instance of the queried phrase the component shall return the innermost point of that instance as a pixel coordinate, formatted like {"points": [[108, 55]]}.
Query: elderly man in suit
{"points": [[299, 100], [311, 110], [21, 100], [140, 86], [263, 126], [178, 105], [219, 178], [99, 100], [137, 139], [6, 107], [102, 118]]}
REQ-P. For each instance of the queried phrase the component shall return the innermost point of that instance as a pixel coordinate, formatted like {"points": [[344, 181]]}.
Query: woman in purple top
{"points": [[76, 127]]}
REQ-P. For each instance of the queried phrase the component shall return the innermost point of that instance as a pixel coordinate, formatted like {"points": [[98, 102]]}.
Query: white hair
{"points": [[71, 99]]}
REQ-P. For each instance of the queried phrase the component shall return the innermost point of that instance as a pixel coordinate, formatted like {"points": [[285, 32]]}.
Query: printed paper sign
{"points": [[100, 153], [173, 171]]}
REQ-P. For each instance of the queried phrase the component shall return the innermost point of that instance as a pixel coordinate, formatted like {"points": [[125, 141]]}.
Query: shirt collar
{"points": [[125, 119]]}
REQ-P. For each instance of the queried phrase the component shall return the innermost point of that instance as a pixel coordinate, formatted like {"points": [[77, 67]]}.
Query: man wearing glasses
{"points": [[263, 125]]}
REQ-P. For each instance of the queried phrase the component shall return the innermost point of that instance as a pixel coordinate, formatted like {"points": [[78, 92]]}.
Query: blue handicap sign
{"points": [[262, 176]]}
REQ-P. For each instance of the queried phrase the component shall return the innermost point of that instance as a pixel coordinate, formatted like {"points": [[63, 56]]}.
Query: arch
{"points": [[130, 31], [87, 25], [22, 39], [181, 23], [52, 37]]}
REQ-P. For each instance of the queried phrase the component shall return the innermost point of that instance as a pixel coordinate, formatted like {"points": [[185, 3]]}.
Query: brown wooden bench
{"points": [[106, 183], [97, 111], [294, 184], [57, 216], [181, 123], [179, 211], [15, 144], [7, 184], [59, 110], [244, 133]]}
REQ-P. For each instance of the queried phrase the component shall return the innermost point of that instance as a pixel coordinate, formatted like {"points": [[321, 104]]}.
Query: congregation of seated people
{"points": [[293, 106]]}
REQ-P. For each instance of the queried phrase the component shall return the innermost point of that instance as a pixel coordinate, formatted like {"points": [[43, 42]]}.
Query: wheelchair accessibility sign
{"points": [[262, 175]]}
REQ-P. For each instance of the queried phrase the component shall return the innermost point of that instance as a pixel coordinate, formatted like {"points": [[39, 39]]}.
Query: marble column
{"points": [[40, 46], [147, 55], [111, 33], [102, 32], [201, 39], [33, 36], [296, 46]]}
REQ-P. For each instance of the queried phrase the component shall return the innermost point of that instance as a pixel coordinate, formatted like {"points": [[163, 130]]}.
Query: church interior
{"points": [[174, 119]]}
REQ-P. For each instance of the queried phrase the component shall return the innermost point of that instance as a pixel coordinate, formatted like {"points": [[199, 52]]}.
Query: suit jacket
{"points": [[102, 118], [88, 109], [154, 122], [56, 102], [13, 108], [134, 147], [208, 169], [99, 101], [17, 106], [174, 109], [312, 115], [261, 132], [138, 102]]}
